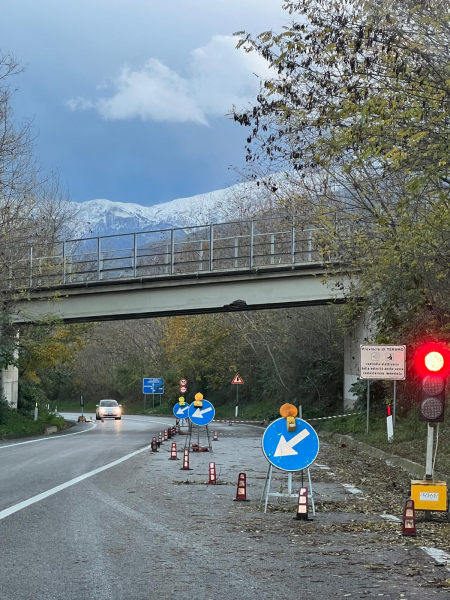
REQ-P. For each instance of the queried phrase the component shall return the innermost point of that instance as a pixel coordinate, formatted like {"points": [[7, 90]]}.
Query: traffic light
{"points": [[433, 367]]}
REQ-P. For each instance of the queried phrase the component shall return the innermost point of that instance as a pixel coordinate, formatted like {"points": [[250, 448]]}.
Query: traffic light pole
{"points": [[429, 459]]}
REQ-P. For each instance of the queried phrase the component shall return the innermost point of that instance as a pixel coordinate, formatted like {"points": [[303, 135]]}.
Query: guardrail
{"points": [[185, 250]]}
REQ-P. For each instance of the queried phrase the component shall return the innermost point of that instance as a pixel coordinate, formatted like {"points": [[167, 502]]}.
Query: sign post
{"points": [[237, 381], [379, 363]]}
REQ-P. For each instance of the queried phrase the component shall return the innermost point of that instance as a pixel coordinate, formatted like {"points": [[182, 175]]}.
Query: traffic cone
{"points": [[302, 504], [166, 435], [212, 473], [185, 466], [160, 438], [230, 423], [215, 438], [409, 519], [169, 433], [173, 452], [241, 492], [154, 445]]}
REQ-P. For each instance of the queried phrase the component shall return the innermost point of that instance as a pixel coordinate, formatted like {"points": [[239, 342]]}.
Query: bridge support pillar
{"points": [[361, 333], [10, 385], [9, 382]]}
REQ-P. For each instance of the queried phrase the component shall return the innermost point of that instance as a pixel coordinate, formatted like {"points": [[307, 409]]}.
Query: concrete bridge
{"points": [[247, 265]]}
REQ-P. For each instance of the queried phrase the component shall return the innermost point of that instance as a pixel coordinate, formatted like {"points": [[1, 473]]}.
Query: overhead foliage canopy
{"points": [[359, 108]]}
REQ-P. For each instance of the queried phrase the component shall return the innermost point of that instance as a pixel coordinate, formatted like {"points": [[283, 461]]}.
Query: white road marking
{"points": [[46, 439], [438, 555], [352, 489], [392, 518], [21, 505]]}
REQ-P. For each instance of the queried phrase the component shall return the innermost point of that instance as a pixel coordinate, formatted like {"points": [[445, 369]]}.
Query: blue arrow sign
{"points": [[152, 385], [181, 412], [290, 450], [203, 414]]}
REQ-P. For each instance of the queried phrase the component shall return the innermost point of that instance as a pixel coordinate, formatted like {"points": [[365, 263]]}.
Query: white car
{"points": [[108, 409]]}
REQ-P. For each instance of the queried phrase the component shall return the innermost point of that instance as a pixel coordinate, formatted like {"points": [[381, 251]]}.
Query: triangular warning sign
{"points": [[237, 379]]}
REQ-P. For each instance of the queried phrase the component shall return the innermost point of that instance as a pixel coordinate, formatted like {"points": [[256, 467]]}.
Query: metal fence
{"points": [[186, 250]]}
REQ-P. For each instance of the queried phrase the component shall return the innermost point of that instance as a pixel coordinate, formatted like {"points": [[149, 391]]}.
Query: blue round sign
{"points": [[201, 415], [290, 450], [181, 412]]}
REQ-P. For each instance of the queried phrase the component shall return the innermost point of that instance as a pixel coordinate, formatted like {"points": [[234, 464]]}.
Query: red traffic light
{"points": [[433, 358]]}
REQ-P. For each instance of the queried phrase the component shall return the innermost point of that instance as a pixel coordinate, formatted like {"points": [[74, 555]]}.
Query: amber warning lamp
{"points": [[289, 412]]}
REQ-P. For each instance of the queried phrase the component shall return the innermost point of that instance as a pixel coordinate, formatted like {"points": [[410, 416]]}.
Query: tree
{"points": [[34, 210], [358, 110]]}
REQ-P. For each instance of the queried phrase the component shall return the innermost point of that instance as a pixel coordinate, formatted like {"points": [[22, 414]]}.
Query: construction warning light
{"points": [[432, 362], [198, 400]]}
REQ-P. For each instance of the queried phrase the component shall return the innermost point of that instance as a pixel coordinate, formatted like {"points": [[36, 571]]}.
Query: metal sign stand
{"points": [[188, 442], [266, 491]]}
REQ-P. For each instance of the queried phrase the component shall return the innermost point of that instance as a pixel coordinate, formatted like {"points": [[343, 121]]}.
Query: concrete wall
{"points": [[362, 333]]}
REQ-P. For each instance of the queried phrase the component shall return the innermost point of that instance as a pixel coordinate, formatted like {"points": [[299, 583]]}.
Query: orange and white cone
{"points": [[241, 492], [166, 435], [185, 466], [212, 473], [154, 445], [173, 452], [409, 519], [215, 438], [302, 504]]}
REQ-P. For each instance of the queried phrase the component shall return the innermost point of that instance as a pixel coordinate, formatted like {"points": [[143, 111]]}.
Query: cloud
{"points": [[219, 76]]}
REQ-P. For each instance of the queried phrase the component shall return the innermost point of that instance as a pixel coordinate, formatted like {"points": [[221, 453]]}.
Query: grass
{"points": [[410, 436], [17, 424]]}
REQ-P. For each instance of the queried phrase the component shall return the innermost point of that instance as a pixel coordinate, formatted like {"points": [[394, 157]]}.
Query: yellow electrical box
{"points": [[429, 495]]}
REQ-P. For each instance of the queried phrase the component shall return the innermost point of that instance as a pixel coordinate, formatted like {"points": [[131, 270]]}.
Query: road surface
{"points": [[93, 514]]}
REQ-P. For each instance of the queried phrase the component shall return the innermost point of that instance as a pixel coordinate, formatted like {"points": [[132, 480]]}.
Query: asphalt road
{"points": [[92, 514]]}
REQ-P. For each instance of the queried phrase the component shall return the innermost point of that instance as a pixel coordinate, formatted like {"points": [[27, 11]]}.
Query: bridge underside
{"points": [[182, 295]]}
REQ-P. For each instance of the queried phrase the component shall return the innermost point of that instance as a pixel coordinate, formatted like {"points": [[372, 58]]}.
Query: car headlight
{"points": [[101, 410]]}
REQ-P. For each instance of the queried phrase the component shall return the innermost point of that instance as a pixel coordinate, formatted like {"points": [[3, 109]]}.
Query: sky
{"points": [[129, 97]]}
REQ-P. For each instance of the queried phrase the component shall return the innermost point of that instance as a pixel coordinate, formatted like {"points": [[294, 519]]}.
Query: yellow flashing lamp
{"points": [[181, 401], [198, 400], [289, 412]]}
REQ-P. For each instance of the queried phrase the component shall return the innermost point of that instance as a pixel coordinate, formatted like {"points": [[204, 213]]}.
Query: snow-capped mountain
{"points": [[104, 217]]}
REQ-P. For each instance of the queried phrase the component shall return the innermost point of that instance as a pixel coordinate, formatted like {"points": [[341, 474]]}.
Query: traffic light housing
{"points": [[433, 367]]}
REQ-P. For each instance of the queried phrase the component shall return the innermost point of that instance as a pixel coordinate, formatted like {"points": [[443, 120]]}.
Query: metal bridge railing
{"points": [[219, 247]]}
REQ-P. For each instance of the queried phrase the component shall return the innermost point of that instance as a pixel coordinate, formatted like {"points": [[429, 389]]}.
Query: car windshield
{"points": [[108, 403]]}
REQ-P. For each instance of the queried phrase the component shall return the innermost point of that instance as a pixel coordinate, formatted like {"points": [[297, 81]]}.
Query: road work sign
{"points": [[181, 412], [290, 450], [201, 415], [152, 385], [383, 362]]}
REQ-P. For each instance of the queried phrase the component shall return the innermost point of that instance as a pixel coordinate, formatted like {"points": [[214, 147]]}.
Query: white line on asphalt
{"points": [[352, 489], [438, 555], [392, 518], [147, 420], [46, 439], [21, 505]]}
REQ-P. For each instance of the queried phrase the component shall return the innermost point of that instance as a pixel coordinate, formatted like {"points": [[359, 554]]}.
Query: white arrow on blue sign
{"points": [[202, 415], [181, 412], [290, 450], [152, 385]]}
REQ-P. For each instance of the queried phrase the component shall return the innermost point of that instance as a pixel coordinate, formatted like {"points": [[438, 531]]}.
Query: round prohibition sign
{"points": [[183, 389], [183, 382]]}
